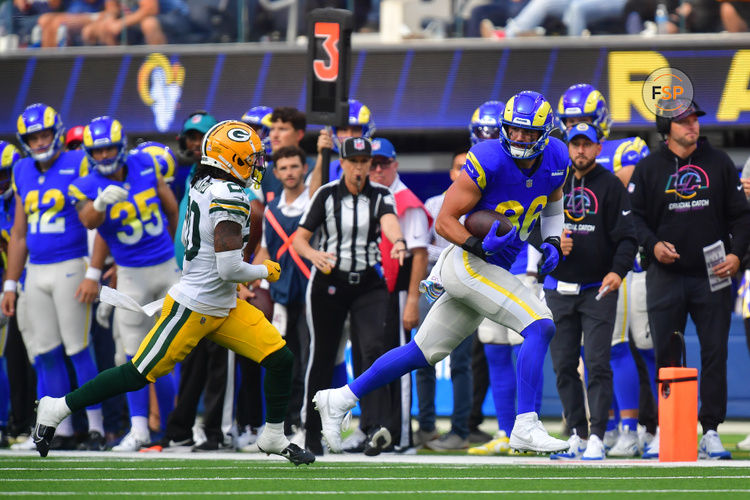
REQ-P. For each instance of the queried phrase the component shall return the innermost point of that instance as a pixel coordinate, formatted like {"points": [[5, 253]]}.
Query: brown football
{"points": [[263, 301], [480, 222]]}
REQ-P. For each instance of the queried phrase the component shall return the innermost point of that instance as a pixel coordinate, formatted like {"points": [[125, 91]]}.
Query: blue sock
{"points": [[4, 393], [540, 391], [85, 368], [165, 395], [138, 400], [625, 377], [650, 359], [41, 387], [630, 423], [339, 375], [530, 362], [51, 364], [388, 368], [503, 384]]}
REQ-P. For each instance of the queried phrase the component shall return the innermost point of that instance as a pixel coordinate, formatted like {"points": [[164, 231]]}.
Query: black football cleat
{"points": [[297, 455], [42, 437], [294, 454]]}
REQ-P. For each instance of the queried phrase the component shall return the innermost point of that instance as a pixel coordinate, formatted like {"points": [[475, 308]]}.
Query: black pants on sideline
{"points": [[577, 315], [400, 390], [250, 401], [648, 415], [22, 380], [671, 297], [206, 367], [480, 380], [330, 300], [297, 338]]}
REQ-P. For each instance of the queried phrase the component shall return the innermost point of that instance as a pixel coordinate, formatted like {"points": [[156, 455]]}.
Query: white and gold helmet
{"points": [[234, 147]]}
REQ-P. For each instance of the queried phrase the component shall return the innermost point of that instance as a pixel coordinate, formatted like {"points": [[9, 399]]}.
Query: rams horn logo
{"points": [[238, 135]]}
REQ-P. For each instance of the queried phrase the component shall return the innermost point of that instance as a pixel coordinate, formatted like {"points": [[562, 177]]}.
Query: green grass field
{"points": [[106, 476]]}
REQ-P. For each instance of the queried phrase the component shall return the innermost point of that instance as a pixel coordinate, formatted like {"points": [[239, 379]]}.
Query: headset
{"points": [[664, 124]]}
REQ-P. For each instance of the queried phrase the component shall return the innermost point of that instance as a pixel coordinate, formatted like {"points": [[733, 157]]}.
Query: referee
{"points": [[350, 213]]}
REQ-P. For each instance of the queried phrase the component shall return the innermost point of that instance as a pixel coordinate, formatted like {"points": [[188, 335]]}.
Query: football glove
{"points": [[550, 255], [111, 195], [274, 270], [103, 314], [493, 244]]}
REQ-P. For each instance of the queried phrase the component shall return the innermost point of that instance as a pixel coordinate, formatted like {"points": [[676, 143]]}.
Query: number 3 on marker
{"points": [[328, 72]]}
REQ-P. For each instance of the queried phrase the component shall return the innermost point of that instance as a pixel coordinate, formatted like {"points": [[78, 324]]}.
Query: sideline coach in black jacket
{"points": [[687, 195], [599, 245]]}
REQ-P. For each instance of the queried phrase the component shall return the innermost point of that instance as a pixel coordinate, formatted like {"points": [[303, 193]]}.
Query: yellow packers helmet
{"points": [[234, 147]]}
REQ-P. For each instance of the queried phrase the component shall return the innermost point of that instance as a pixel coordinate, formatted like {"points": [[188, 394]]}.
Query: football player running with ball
{"points": [[204, 302], [520, 176]]}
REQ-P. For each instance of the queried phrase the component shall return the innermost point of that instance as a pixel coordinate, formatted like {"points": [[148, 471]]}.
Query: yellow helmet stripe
{"points": [[542, 115], [7, 155], [49, 117], [21, 125], [115, 132], [88, 141], [591, 101]]}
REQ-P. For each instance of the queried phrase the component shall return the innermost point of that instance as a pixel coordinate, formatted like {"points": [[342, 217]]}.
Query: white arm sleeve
{"points": [[232, 268], [552, 219]]}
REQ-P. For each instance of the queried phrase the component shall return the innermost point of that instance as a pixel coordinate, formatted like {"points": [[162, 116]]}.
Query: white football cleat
{"points": [[334, 412], [530, 435], [594, 449], [744, 444], [626, 445], [132, 442], [710, 447], [576, 450], [610, 438], [651, 449]]}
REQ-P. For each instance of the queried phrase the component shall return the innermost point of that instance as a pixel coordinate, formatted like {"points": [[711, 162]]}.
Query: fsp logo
{"points": [[667, 92]]}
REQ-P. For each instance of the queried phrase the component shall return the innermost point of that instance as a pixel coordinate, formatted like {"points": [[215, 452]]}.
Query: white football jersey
{"points": [[201, 289]]}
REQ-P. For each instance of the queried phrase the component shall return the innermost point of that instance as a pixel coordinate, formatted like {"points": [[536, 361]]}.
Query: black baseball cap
{"points": [[356, 146]]}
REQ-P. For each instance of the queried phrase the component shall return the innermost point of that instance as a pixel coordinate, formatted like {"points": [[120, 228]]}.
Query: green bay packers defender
{"points": [[204, 302]]}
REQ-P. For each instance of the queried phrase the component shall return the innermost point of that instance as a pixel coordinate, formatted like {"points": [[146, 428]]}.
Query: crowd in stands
{"points": [[59, 23]]}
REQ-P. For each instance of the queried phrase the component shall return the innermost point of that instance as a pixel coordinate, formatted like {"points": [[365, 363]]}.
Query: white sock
{"points": [[351, 398], [275, 428], [139, 425], [96, 421], [65, 428]]}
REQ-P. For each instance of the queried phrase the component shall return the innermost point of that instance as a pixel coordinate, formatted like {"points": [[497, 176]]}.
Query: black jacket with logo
{"points": [[598, 213], [690, 202]]}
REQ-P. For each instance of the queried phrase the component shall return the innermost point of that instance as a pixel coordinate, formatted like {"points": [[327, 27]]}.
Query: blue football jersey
{"points": [[54, 233], [622, 153], [135, 229], [507, 189]]}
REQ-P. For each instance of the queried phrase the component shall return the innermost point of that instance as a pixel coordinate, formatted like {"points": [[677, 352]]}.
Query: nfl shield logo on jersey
{"points": [[331, 290]]}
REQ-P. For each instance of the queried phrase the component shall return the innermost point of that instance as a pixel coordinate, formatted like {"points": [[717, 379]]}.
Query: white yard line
{"points": [[354, 493], [396, 478], [353, 459]]}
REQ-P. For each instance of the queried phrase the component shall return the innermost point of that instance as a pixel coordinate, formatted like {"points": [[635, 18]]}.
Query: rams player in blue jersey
{"points": [[165, 158], [520, 176], [47, 230], [583, 103], [135, 212], [9, 155]]}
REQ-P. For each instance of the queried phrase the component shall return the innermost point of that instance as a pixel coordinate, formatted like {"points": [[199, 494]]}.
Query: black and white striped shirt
{"points": [[349, 224]]}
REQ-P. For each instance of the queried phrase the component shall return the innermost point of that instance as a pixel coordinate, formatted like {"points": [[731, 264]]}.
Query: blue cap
{"points": [[585, 129], [383, 147]]}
